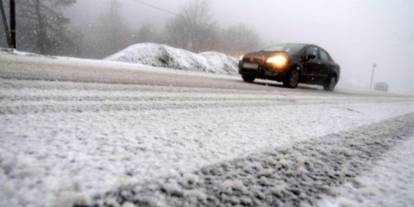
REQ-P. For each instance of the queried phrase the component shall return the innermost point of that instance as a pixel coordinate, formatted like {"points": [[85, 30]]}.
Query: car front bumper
{"points": [[262, 71]]}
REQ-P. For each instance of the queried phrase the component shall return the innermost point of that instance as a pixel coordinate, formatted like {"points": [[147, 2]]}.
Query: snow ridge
{"points": [[168, 57]]}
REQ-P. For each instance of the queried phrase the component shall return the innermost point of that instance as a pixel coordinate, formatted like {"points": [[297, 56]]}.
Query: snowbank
{"points": [[169, 57], [22, 65]]}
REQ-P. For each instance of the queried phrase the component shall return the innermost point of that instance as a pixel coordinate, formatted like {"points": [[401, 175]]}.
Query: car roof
{"points": [[301, 44]]}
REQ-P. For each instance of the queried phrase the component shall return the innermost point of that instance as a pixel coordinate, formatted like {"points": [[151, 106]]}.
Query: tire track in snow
{"points": [[269, 90], [50, 97], [176, 96], [113, 106], [298, 175], [68, 86], [389, 183]]}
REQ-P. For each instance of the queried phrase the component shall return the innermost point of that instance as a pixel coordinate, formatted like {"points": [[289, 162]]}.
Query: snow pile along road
{"points": [[169, 57]]}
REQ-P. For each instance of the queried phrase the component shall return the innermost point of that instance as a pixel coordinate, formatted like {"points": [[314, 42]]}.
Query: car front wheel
{"points": [[248, 78], [330, 84], [292, 80]]}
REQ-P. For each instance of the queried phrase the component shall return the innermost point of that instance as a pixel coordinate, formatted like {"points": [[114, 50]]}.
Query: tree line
{"points": [[43, 28]]}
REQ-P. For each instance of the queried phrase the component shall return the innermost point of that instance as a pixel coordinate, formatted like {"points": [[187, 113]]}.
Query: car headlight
{"points": [[279, 61]]}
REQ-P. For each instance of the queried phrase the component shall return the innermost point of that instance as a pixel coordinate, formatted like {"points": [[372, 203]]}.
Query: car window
{"points": [[289, 48], [324, 56], [312, 51]]}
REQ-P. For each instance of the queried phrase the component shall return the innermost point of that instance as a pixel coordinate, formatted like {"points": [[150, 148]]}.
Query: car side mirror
{"points": [[310, 57]]}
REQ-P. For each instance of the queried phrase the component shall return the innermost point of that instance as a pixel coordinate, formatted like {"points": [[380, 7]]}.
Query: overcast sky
{"points": [[357, 33]]}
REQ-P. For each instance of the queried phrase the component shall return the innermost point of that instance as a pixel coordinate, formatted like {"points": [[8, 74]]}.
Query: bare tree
{"points": [[42, 27], [147, 33], [5, 26], [111, 32], [193, 28], [239, 39]]}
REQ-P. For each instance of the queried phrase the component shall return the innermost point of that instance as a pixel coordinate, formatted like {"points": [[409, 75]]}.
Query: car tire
{"points": [[248, 78], [330, 84], [292, 79]]}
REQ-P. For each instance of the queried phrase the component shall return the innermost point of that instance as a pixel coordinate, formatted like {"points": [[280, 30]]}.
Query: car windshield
{"points": [[289, 48]]}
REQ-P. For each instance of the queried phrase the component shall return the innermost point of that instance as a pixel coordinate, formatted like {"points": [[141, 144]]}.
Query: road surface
{"points": [[87, 133]]}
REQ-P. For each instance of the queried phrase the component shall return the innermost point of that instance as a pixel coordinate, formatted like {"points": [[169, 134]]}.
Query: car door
{"points": [[311, 64], [327, 64]]}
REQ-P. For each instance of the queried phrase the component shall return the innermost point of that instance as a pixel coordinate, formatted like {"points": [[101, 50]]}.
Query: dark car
{"points": [[291, 64]]}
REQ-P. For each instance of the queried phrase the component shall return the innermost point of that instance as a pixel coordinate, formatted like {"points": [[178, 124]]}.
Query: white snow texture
{"points": [[169, 57]]}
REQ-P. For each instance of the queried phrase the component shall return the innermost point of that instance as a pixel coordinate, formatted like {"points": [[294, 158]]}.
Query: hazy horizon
{"points": [[357, 33]]}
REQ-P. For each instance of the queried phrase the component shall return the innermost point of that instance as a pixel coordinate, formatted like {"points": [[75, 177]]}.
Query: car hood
{"points": [[263, 55]]}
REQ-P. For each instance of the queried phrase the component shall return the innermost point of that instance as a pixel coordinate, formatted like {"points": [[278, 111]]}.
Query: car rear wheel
{"points": [[248, 78], [292, 80], [330, 84]]}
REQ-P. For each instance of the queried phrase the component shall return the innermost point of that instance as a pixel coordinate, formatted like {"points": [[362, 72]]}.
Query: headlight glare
{"points": [[278, 61]]}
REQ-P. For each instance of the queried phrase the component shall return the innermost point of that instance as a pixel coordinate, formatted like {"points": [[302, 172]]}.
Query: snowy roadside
{"points": [[72, 155], [22, 65]]}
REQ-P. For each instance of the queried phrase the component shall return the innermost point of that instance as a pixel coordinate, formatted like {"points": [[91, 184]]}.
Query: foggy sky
{"points": [[357, 33]]}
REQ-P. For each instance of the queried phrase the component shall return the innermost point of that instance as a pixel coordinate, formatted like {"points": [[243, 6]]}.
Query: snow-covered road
{"points": [[71, 141], [64, 143], [297, 175]]}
